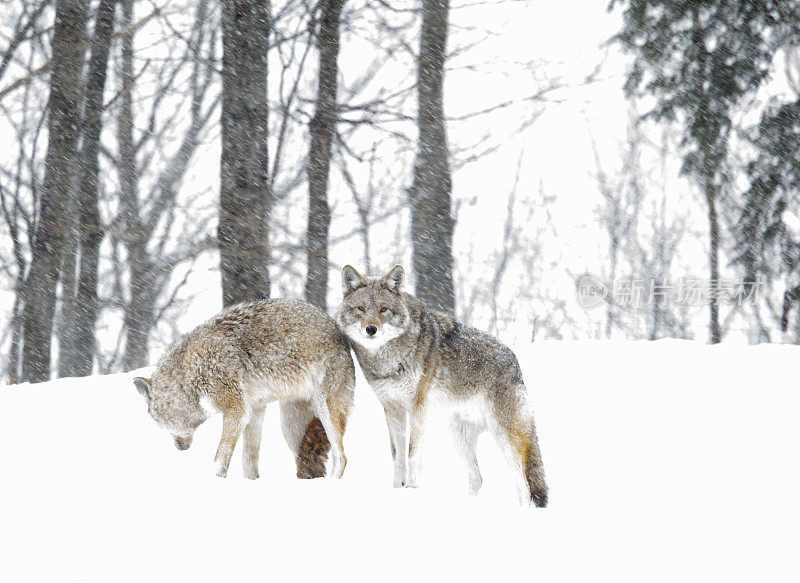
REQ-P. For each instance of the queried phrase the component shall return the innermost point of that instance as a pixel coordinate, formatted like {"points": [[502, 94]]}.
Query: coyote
{"points": [[243, 358], [412, 355]]}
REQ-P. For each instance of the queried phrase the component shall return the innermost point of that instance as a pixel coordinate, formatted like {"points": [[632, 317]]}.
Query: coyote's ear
{"points": [[143, 386], [395, 278], [351, 280]]}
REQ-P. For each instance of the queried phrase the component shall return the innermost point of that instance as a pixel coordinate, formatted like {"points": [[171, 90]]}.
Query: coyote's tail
{"points": [[313, 451], [534, 472]]}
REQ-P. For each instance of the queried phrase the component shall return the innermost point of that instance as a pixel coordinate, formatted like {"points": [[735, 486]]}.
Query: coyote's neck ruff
{"points": [[391, 360], [409, 353]]}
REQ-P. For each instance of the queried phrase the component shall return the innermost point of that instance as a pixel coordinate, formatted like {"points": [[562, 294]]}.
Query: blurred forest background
{"points": [[163, 158]]}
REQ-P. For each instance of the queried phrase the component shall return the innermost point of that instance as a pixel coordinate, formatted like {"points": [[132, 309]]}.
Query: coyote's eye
{"points": [[383, 309], [361, 309]]}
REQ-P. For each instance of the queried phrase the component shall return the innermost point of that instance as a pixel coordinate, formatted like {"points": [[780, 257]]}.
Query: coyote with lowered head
{"points": [[412, 355], [245, 357]]}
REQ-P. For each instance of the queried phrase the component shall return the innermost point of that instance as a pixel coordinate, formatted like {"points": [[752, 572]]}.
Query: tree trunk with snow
{"points": [[323, 126], [76, 357], [61, 167], [431, 219], [245, 198], [710, 188], [139, 308]]}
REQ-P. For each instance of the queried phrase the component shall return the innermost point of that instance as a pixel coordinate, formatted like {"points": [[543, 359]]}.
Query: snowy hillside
{"points": [[667, 461]]}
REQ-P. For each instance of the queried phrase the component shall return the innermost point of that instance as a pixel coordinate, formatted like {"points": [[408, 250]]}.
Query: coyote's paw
{"points": [[222, 472]]}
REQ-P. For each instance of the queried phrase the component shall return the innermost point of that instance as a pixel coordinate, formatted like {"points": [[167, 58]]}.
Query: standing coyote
{"points": [[245, 357], [412, 355]]}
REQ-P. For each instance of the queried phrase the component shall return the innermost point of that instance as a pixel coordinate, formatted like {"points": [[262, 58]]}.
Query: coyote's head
{"points": [[172, 407], [374, 310]]}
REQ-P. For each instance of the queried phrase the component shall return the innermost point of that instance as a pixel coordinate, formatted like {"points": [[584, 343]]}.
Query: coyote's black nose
{"points": [[371, 330]]}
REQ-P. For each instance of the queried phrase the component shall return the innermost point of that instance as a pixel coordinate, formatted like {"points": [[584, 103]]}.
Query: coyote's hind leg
{"points": [[465, 439], [332, 405]]}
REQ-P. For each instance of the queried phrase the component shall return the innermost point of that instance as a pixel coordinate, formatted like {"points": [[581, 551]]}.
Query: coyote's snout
{"points": [[183, 443], [242, 359], [410, 353]]}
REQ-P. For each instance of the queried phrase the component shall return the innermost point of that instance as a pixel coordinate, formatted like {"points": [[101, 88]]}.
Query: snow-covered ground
{"points": [[667, 461]]}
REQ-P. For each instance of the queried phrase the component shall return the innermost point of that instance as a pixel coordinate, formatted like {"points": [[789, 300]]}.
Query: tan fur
{"points": [[244, 358], [416, 353]]}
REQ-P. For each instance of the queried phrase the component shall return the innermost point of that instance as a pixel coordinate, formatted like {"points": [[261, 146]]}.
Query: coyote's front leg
{"points": [[252, 444], [232, 424], [416, 424], [396, 420]]}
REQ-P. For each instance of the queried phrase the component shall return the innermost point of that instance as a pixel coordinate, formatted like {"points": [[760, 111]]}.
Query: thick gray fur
{"points": [[412, 356], [242, 359]]}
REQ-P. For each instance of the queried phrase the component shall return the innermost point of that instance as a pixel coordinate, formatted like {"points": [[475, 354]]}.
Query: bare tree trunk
{"points": [[612, 316], [10, 204], [61, 166], [78, 350], [323, 126], [713, 253], [67, 317], [141, 216], [245, 199], [139, 311], [431, 219], [707, 172], [506, 255], [763, 332], [363, 232], [16, 337], [796, 339]]}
